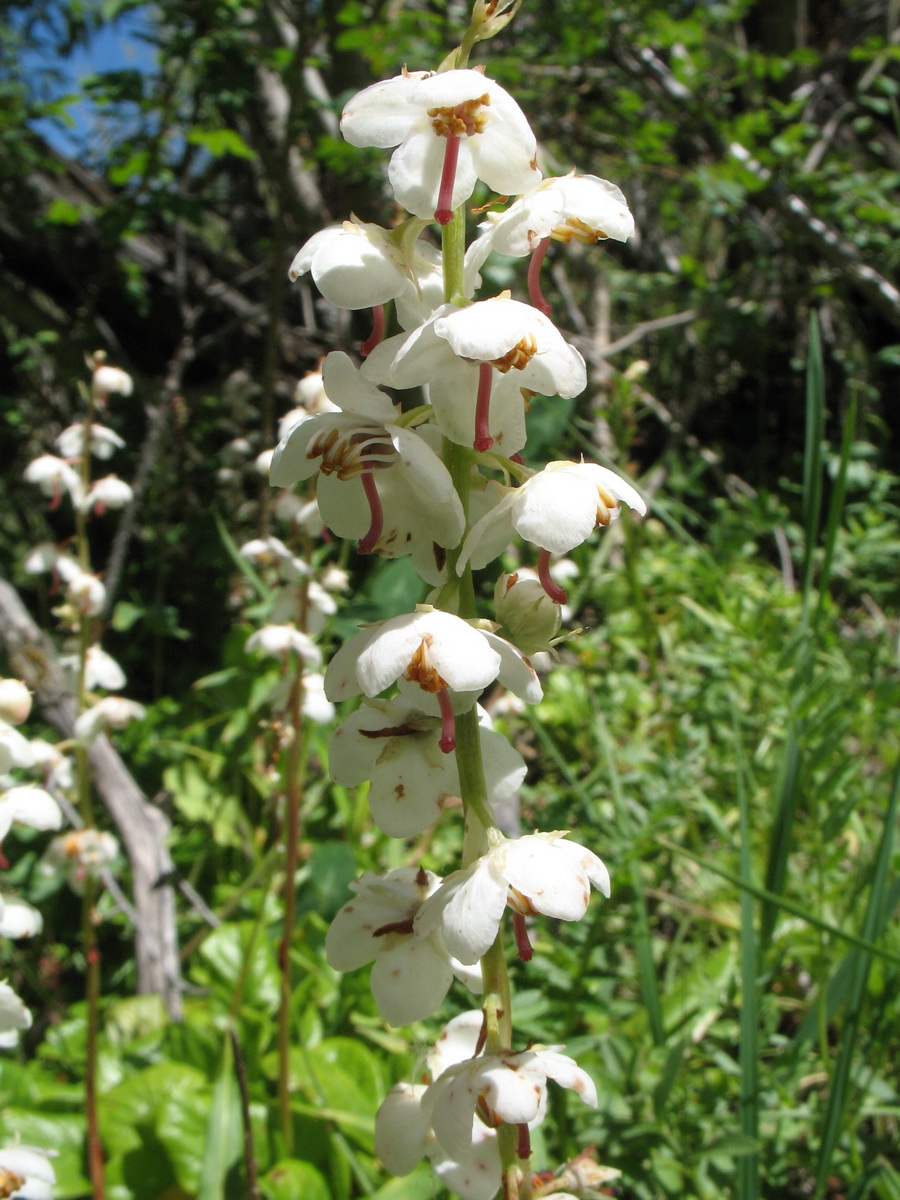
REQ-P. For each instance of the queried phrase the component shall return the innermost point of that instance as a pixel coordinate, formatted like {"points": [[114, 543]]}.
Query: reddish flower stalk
{"points": [[368, 543], [443, 214], [448, 722], [483, 439], [534, 277], [523, 945], [377, 331], [553, 590], [523, 1145]]}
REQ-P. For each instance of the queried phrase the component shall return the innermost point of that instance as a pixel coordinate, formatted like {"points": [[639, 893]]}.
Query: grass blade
{"points": [[876, 916], [749, 1050], [812, 454]]}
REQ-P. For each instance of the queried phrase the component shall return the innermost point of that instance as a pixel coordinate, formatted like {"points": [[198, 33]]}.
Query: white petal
{"points": [[410, 980], [18, 919], [402, 1133], [383, 114], [556, 510]]}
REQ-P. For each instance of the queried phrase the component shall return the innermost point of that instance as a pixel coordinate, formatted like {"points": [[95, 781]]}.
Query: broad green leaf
{"points": [[292, 1179], [223, 1131]]}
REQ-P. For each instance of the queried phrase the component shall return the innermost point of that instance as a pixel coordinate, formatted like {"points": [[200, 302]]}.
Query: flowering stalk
{"points": [[421, 483]]}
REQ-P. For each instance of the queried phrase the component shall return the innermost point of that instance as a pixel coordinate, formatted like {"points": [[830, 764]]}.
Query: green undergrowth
{"points": [[721, 732]]}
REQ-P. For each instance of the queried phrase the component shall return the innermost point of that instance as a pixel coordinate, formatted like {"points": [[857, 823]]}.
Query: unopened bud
{"points": [[15, 701], [529, 618]]}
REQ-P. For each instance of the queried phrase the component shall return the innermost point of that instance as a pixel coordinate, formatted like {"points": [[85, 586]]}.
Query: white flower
{"points": [[54, 476], [450, 129], [539, 873], [26, 1170], [100, 669], [378, 482], [15, 750], [79, 854], [316, 705], [359, 265], [395, 745], [411, 973], [573, 207], [279, 640], [86, 594], [18, 919], [46, 558], [556, 509], [527, 615], [403, 1134], [14, 1017], [478, 362], [112, 712], [28, 805], [15, 701], [110, 379], [502, 1088], [272, 552], [108, 492], [103, 441]]}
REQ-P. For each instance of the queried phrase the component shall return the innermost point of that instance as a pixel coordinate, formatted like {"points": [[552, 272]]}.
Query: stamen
{"points": [[523, 945], [534, 277], [448, 722], [443, 214], [367, 545], [553, 590], [483, 439], [377, 331]]}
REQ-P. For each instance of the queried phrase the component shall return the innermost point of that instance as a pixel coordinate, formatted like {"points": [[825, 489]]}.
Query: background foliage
{"points": [[724, 733]]}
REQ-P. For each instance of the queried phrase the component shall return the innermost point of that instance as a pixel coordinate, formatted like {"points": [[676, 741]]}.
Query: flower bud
{"points": [[529, 618], [15, 701]]}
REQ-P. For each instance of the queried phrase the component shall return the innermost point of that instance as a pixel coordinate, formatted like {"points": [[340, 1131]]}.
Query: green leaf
{"points": [[219, 142], [223, 1131], [291, 1178]]}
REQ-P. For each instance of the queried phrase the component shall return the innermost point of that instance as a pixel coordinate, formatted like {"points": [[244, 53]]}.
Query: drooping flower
{"points": [[412, 973], [539, 873], [573, 207], [86, 594], [360, 265], [378, 482], [112, 712], [450, 130], [527, 615], [103, 441], [108, 492], [479, 362], [502, 1089], [26, 804], [100, 669], [26, 1172], [280, 640], [394, 744], [19, 919], [438, 652], [14, 1018], [403, 1134], [107, 380], [54, 476], [79, 855], [556, 509], [15, 701]]}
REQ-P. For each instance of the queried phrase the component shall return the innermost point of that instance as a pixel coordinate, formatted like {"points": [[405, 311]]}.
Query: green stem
{"points": [[92, 988], [477, 814]]}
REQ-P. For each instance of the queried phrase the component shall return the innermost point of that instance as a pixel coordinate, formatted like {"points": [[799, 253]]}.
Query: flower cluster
{"points": [[25, 1169], [444, 482]]}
